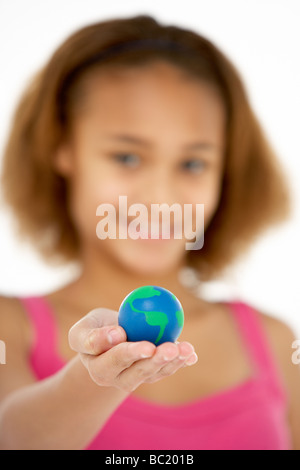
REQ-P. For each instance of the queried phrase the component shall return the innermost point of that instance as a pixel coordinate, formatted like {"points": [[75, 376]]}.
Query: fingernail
{"points": [[193, 359], [114, 336], [145, 356], [167, 359], [90, 343]]}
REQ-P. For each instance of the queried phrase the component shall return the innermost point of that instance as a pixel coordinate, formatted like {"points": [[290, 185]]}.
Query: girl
{"points": [[158, 114]]}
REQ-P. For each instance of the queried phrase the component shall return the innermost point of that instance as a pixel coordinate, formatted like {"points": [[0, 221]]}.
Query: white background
{"points": [[261, 37]]}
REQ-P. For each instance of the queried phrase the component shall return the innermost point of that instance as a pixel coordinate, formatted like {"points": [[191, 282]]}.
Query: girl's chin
{"points": [[150, 270], [145, 258], [144, 264]]}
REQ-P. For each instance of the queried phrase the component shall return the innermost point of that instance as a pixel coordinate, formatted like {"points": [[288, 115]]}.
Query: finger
{"points": [[96, 332], [167, 360], [185, 355], [187, 352], [185, 349], [105, 368], [142, 370], [173, 366]]}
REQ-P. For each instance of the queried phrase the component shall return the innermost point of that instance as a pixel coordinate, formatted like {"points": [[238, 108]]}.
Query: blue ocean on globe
{"points": [[151, 313]]}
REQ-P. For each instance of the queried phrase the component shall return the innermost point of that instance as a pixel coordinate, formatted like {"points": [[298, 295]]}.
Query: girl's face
{"points": [[155, 135]]}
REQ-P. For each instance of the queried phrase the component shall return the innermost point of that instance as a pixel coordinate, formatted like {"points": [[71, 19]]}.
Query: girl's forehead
{"points": [[160, 76], [159, 91]]}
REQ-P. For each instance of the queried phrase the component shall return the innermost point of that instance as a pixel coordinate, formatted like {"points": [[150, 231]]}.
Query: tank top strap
{"points": [[43, 354], [258, 346]]}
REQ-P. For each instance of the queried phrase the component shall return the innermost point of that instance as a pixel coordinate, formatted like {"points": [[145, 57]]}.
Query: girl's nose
{"points": [[159, 187]]}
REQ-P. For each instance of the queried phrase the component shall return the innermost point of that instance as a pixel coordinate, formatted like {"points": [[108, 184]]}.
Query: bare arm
{"points": [[62, 412]]}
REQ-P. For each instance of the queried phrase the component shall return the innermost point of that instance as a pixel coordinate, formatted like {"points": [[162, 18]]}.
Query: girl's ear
{"points": [[62, 160]]}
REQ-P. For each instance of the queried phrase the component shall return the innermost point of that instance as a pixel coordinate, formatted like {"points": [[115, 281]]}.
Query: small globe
{"points": [[151, 313]]}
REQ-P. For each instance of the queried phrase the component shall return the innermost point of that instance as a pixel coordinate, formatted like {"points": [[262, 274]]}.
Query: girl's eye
{"points": [[127, 159], [194, 165]]}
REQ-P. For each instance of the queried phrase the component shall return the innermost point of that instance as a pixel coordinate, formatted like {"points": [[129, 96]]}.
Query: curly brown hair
{"points": [[254, 193]]}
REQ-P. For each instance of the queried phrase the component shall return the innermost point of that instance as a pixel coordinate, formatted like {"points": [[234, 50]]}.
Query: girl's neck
{"points": [[105, 283]]}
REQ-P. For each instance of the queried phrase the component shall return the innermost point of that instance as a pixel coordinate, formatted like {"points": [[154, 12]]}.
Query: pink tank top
{"points": [[249, 416]]}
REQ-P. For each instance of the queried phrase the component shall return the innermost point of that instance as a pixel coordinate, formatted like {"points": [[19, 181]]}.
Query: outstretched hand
{"points": [[113, 361]]}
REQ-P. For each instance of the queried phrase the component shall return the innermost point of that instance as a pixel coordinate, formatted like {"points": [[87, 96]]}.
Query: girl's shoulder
{"points": [[280, 334], [15, 334], [14, 325], [282, 339]]}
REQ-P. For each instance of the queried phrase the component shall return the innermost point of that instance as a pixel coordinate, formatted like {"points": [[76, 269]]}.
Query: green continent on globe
{"points": [[180, 318], [141, 293], [157, 319], [152, 318]]}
